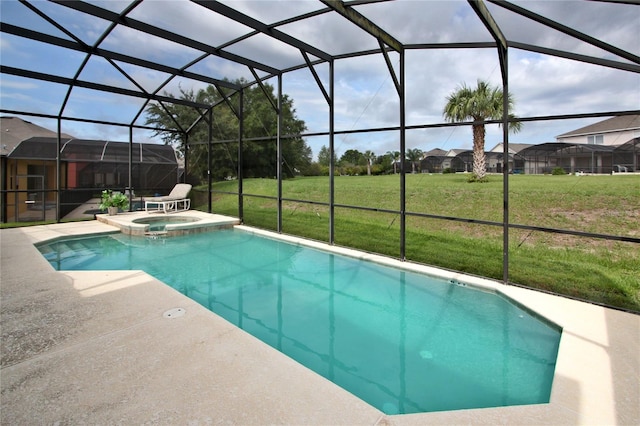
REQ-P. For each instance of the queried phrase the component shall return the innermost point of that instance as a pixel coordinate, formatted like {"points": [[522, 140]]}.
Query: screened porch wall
{"points": [[87, 168]]}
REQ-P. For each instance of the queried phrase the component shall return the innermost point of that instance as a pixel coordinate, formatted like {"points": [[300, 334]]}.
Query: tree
{"points": [[260, 121], [414, 155], [384, 163], [370, 157], [481, 103], [324, 157], [352, 157], [395, 157]]}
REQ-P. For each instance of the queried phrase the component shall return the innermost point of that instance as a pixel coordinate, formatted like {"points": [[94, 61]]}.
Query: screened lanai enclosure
{"points": [[86, 168], [580, 158], [371, 75]]}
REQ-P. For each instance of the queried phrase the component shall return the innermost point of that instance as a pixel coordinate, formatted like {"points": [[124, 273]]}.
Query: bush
{"points": [[447, 171], [313, 169], [378, 169], [557, 171], [474, 178], [110, 198]]}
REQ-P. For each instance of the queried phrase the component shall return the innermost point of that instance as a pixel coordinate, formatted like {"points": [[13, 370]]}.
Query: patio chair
{"points": [[174, 202]]}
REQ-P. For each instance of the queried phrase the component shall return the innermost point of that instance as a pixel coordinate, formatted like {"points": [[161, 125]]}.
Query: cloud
{"points": [[548, 85], [614, 24], [416, 22], [19, 85], [364, 92]]}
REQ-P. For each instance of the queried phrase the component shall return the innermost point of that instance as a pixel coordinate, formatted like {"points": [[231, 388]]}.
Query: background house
{"points": [[448, 160], [614, 131], [608, 146], [432, 161], [618, 141], [516, 162]]}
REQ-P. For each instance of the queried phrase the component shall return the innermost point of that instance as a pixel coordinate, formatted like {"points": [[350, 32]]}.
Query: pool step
{"points": [[73, 253]]}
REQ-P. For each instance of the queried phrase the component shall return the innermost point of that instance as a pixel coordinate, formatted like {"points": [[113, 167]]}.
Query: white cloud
{"points": [[364, 93], [18, 85], [550, 85]]}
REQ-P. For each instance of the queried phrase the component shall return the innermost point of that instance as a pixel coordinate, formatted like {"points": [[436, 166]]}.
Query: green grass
{"points": [[592, 269]]}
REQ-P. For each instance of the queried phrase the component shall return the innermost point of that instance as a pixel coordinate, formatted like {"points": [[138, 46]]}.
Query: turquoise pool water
{"points": [[401, 341]]}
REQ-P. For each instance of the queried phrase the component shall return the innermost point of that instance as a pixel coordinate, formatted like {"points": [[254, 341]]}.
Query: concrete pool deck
{"points": [[94, 348]]}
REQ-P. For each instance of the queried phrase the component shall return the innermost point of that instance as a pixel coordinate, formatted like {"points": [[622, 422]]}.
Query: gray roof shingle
{"points": [[621, 122], [14, 130]]}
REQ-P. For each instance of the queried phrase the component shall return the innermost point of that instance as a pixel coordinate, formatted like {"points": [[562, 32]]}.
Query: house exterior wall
{"points": [[30, 199], [608, 138], [494, 165]]}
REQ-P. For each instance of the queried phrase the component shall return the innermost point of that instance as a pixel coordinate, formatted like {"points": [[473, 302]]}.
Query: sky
{"points": [[365, 95]]}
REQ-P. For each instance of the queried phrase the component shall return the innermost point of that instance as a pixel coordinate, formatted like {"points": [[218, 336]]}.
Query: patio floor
{"points": [[94, 348]]}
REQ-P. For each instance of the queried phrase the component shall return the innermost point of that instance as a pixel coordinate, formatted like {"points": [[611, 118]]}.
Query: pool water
{"points": [[401, 341]]}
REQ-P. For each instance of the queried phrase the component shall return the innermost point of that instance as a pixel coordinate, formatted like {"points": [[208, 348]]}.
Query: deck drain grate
{"points": [[174, 313]]}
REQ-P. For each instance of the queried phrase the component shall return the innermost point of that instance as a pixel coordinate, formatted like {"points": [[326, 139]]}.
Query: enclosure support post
{"points": [[3, 185], [403, 147], [209, 155], [332, 165], [279, 151], [58, 174], [502, 51], [487, 19], [240, 159], [130, 181], [185, 173]]}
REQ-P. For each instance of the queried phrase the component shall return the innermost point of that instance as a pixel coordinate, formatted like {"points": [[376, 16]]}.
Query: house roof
{"points": [[454, 152], [632, 146], [550, 148], [434, 152], [514, 148], [84, 150], [21, 139], [15, 130], [615, 124]]}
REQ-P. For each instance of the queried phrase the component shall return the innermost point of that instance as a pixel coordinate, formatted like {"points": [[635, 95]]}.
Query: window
{"points": [[595, 140], [36, 177]]}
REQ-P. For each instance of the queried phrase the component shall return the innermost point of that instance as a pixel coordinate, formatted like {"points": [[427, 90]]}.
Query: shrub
{"points": [[110, 198], [558, 171], [474, 178]]}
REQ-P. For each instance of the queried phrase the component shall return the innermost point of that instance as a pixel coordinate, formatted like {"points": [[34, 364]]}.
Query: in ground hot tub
{"points": [[169, 225], [190, 222], [160, 223]]}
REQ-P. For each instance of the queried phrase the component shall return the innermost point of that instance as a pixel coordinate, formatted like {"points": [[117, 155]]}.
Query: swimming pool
{"points": [[402, 341]]}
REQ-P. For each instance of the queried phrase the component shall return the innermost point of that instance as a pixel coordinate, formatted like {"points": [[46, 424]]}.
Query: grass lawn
{"points": [[587, 268]]}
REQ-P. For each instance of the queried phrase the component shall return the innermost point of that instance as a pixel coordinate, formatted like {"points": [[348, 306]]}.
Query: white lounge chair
{"points": [[174, 202]]}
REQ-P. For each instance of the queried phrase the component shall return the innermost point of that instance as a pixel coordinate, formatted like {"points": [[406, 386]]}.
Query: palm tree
{"points": [[479, 104], [370, 156], [414, 155], [395, 157]]}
